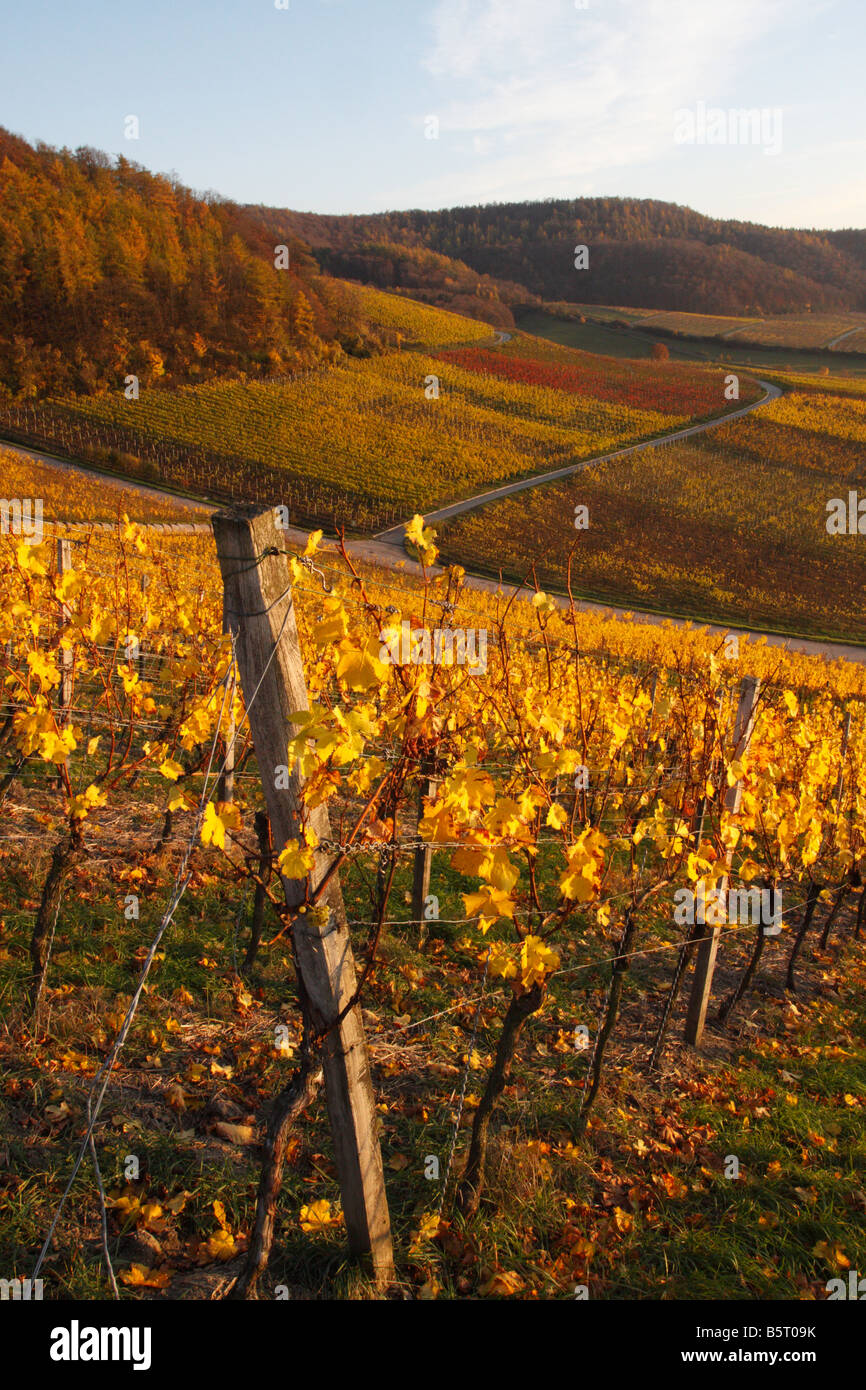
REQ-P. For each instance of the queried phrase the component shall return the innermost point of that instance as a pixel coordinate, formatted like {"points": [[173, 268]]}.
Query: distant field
{"points": [[603, 312], [598, 337], [729, 526], [788, 331], [855, 343], [806, 331], [699, 325], [682, 392], [785, 330], [636, 342], [820, 383]]}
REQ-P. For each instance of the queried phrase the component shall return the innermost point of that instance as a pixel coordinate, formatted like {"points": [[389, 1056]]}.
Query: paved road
{"points": [[395, 534], [391, 556]]}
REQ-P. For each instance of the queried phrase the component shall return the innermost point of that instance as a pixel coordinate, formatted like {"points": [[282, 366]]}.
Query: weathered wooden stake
{"points": [[64, 564], [423, 856], [145, 614], [259, 605], [708, 945], [843, 753], [685, 952], [226, 788]]}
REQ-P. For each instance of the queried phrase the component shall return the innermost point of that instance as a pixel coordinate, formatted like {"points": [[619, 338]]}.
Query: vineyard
{"points": [[73, 495], [730, 526], [543, 1125], [804, 331], [334, 442], [853, 342], [791, 331], [644, 386], [432, 703], [416, 325]]}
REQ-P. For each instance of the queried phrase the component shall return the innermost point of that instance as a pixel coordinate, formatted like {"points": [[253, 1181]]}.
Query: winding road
{"points": [[386, 549], [394, 535]]}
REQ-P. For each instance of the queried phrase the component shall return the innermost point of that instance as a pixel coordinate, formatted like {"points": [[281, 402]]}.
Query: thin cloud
{"points": [[538, 96]]}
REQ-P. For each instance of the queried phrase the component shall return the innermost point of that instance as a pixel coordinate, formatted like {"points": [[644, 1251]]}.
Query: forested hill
{"points": [[106, 269], [642, 252]]}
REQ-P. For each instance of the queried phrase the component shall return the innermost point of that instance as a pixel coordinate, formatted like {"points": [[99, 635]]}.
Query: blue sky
{"points": [[324, 106]]}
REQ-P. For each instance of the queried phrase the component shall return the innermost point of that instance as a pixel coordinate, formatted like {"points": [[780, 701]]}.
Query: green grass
{"points": [[638, 342], [555, 1214], [598, 338]]}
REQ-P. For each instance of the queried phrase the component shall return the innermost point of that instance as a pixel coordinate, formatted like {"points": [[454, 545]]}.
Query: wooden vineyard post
{"points": [[423, 855], [260, 609], [145, 614], [707, 946], [685, 951], [843, 753], [841, 893], [64, 564], [226, 790]]}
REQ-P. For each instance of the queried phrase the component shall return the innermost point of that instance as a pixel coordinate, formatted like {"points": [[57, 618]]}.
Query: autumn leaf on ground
{"points": [[174, 1097], [58, 1114], [318, 1215], [235, 1134], [72, 1060], [673, 1185], [221, 1245], [622, 1220], [219, 1212], [150, 1212], [833, 1254], [428, 1230], [503, 1284], [140, 1277], [126, 1204]]}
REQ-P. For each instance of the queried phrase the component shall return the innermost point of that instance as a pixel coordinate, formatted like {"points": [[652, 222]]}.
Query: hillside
{"points": [[363, 443], [667, 526], [108, 270], [642, 252]]}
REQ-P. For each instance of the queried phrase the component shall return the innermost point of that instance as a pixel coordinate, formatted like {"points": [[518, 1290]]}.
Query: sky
{"points": [[366, 105]]}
